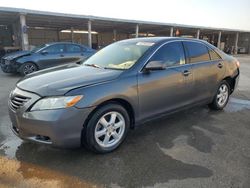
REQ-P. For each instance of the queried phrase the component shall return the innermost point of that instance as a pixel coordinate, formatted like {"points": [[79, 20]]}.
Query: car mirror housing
{"points": [[154, 65]]}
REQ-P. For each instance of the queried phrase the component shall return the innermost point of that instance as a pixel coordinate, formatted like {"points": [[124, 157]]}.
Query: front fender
{"points": [[121, 88], [25, 59]]}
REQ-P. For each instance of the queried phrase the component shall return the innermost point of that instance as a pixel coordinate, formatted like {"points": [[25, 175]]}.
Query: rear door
{"points": [[74, 53], [165, 90], [205, 76], [217, 66]]}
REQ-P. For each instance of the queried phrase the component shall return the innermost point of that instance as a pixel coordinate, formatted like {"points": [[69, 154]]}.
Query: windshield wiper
{"points": [[93, 65]]}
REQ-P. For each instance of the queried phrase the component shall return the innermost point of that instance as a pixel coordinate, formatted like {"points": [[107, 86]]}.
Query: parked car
{"points": [[44, 56], [121, 86]]}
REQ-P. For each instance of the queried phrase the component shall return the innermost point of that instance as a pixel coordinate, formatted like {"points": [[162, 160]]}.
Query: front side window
{"points": [[57, 48], [38, 48], [120, 55], [196, 52], [170, 54], [73, 48]]}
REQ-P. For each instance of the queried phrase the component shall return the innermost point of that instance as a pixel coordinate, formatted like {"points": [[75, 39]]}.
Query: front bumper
{"points": [[60, 128], [9, 66]]}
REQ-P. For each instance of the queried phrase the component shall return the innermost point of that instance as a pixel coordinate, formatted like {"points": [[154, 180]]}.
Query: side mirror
{"points": [[44, 52], [154, 65]]}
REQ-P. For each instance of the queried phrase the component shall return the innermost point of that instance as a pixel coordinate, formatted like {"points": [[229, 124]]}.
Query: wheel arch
{"points": [[231, 81], [19, 69], [124, 103]]}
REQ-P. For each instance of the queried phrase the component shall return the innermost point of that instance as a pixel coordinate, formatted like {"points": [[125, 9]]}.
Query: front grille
{"points": [[18, 101]]}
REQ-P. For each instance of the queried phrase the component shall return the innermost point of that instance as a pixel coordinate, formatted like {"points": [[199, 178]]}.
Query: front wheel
{"points": [[28, 68], [222, 96], [106, 129]]}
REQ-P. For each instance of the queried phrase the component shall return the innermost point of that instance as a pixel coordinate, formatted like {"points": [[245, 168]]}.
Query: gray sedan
{"points": [[123, 85]]}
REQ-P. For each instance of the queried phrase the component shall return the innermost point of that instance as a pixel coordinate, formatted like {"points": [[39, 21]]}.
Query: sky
{"points": [[232, 14]]}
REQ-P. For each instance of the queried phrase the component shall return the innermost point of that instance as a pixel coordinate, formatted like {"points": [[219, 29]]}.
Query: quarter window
{"points": [[214, 55], [170, 54], [196, 52]]}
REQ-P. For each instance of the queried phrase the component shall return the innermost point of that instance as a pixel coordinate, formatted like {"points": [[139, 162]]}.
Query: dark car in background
{"points": [[44, 56], [121, 86]]}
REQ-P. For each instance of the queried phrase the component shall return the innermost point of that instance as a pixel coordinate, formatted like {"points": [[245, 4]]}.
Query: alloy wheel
{"points": [[222, 95], [29, 68], [110, 129]]}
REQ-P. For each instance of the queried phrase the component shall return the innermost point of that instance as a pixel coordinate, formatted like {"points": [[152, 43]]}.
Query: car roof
{"points": [[160, 39], [51, 43]]}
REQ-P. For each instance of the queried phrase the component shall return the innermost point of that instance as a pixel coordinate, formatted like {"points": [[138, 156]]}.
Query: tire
{"points": [[28, 68], [222, 96], [103, 136]]}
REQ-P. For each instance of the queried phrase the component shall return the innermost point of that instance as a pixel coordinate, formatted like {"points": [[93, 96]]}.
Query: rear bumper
{"points": [[60, 128], [237, 77]]}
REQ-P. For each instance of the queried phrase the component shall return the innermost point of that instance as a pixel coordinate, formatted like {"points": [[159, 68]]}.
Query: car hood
{"points": [[60, 80], [14, 55]]}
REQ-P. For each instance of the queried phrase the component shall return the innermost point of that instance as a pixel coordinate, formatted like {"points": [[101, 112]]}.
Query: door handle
{"points": [[220, 65], [186, 72]]}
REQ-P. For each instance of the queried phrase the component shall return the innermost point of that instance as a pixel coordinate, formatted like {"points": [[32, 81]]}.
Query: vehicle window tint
{"points": [[73, 48], [170, 54], [213, 55], [196, 52], [57, 48]]}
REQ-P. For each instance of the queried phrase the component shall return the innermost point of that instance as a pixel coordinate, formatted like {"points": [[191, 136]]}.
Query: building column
{"points": [[16, 35], [137, 31], [198, 34], [24, 34], [72, 34], [236, 43], [219, 40], [249, 44], [171, 31], [114, 35], [212, 39], [58, 35], [89, 34]]}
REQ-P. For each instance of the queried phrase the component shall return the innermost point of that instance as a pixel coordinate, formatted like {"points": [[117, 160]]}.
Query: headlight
{"points": [[7, 62], [56, 102]]}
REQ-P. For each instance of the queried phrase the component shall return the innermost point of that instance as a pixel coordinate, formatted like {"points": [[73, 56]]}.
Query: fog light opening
{"points": [[43, 138]]}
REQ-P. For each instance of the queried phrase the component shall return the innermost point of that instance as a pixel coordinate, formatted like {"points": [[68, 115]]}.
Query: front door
{"points": [[169, 89], [53, 55]]}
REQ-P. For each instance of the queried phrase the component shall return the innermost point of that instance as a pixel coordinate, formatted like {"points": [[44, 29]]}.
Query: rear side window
{"points": [[214, 55], [170, 54], [196, 52], [73, 48]]}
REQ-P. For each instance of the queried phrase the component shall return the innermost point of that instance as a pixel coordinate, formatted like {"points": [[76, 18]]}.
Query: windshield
{"points": [[121, 55], [37, 48]]}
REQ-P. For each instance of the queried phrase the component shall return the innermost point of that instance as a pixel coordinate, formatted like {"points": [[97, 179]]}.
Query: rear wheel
{"points": [[222, 96], [106, 129], [28, 68]]}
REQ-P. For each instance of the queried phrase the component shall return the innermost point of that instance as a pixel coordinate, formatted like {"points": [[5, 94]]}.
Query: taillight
{"points": [[238, 64]]}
